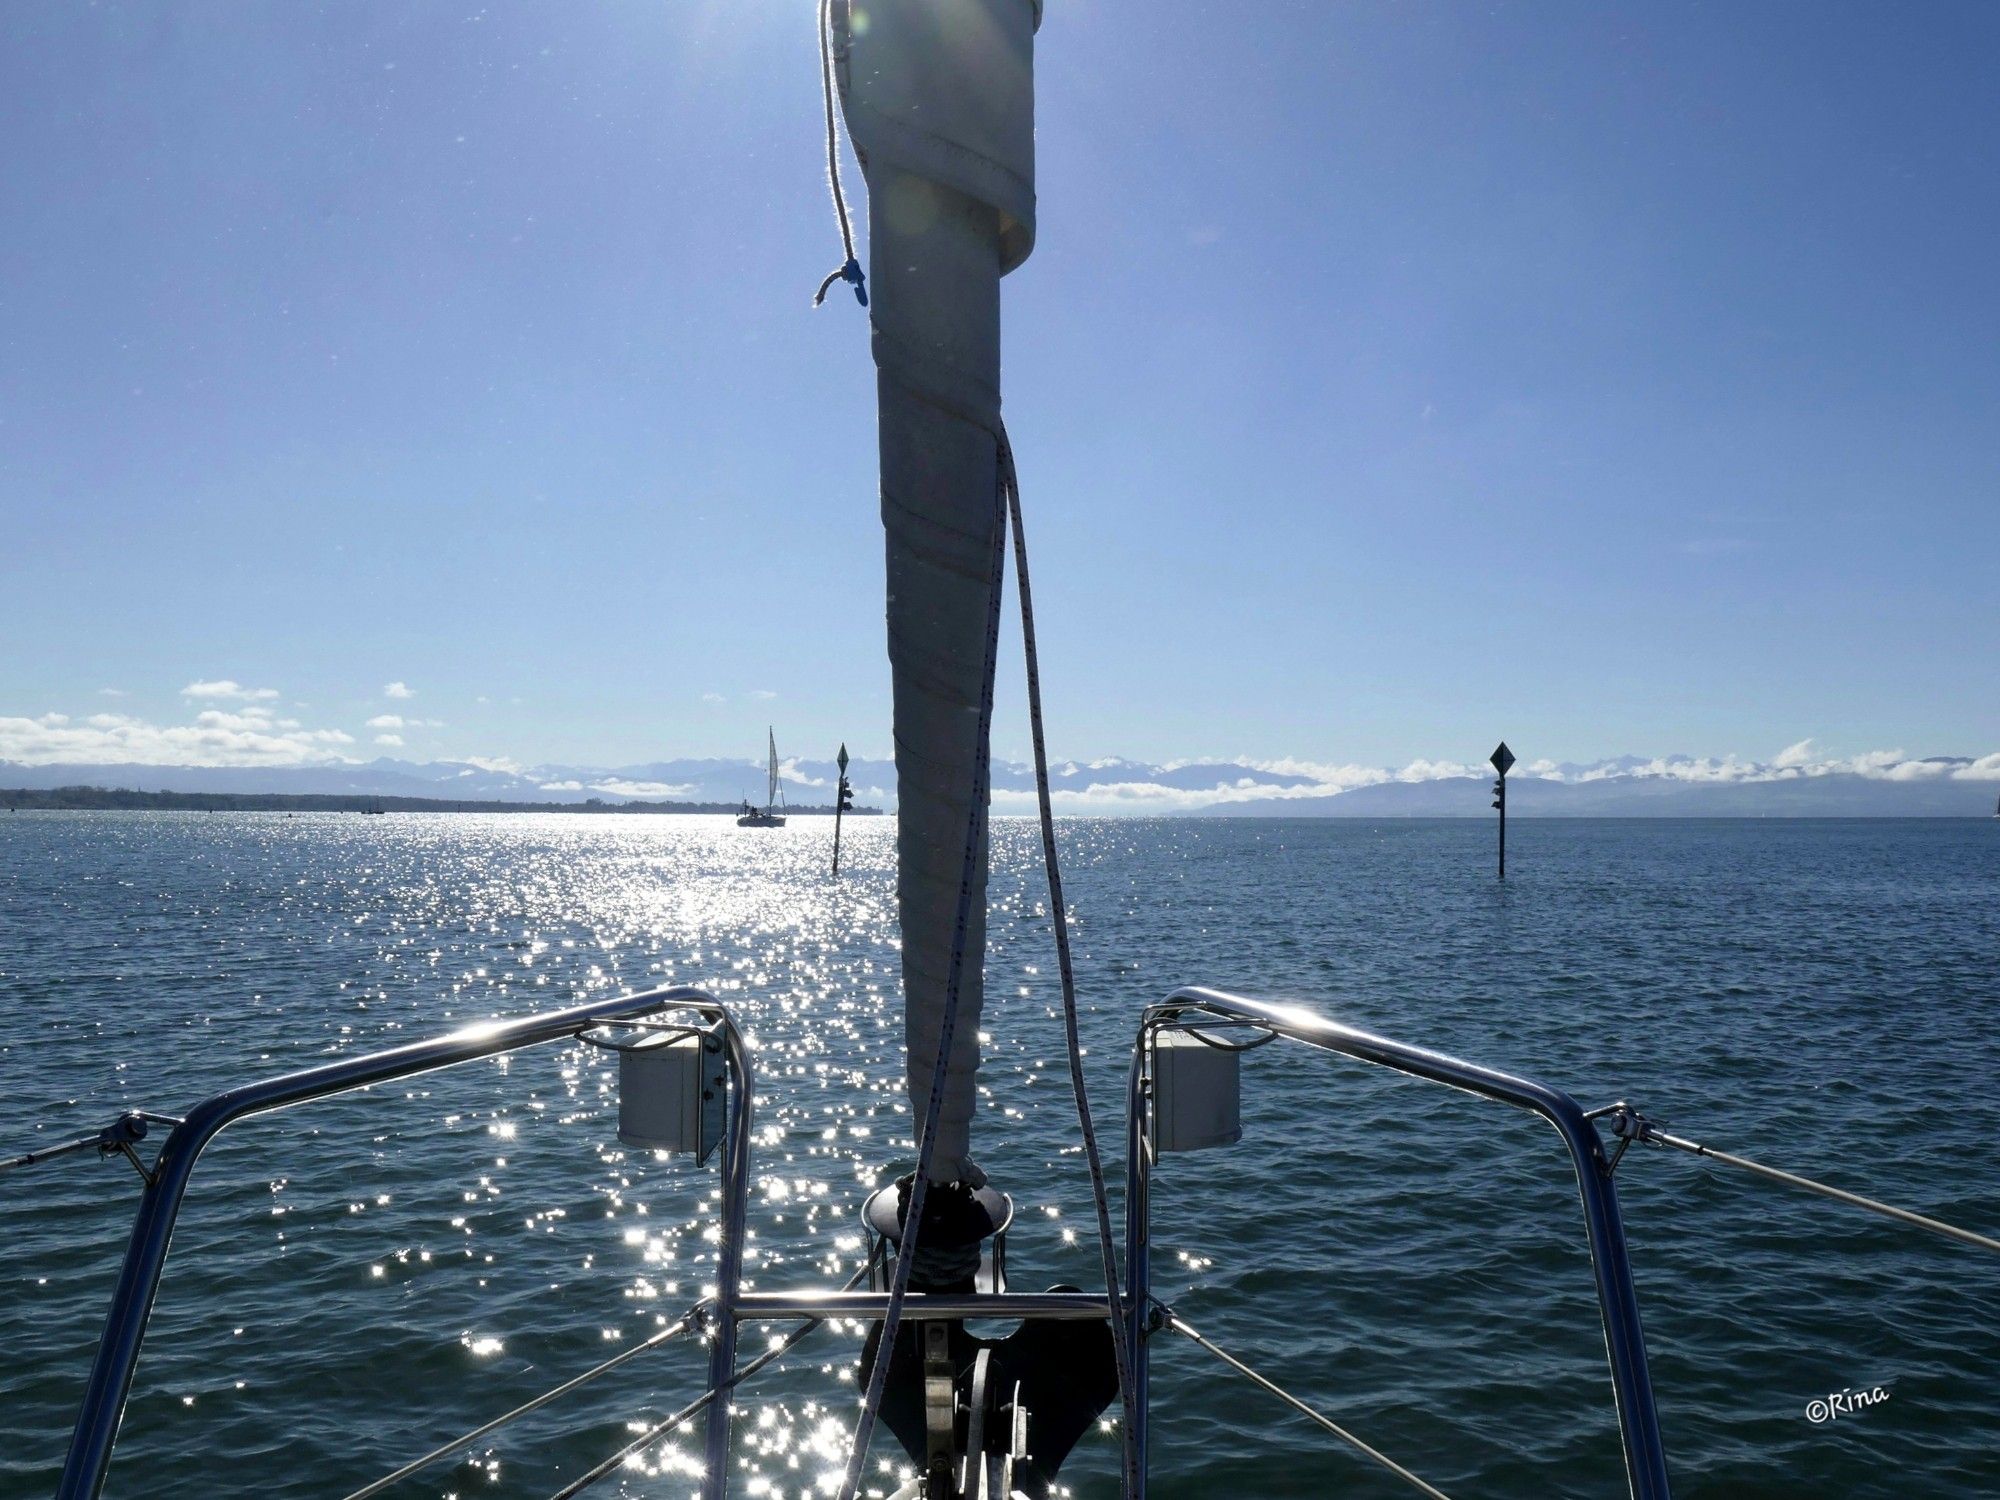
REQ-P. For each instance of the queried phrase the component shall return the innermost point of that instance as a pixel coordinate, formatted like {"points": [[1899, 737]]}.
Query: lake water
{"points": [[356, 1281]]}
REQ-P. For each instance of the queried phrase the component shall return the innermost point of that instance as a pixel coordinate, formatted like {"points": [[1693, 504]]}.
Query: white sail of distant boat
{"points": [[771, 815]]}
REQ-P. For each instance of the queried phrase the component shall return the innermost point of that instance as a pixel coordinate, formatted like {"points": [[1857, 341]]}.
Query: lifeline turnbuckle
{"points": [[120, 1138]]}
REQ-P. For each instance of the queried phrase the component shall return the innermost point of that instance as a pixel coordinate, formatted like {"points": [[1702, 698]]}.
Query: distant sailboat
{"points": [[772, 815]]}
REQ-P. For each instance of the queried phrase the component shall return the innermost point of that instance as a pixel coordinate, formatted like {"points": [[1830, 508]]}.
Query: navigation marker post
{"points": [[841, 803], [1503, 758]]}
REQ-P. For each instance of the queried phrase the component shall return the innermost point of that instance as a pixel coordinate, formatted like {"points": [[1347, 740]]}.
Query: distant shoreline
{"points": [[119, 799]]}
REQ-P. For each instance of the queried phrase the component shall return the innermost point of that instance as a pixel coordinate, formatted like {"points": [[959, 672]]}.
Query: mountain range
{"points": [[1796, 784]]}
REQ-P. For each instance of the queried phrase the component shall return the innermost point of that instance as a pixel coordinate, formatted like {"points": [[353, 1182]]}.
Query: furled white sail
{"points": [[771, 781], [938, 96]]}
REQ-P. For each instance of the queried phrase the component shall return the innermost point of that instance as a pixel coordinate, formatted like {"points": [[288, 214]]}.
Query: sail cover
{"points": [[938, 96]]}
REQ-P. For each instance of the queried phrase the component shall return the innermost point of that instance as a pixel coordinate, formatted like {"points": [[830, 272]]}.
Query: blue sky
{"points": [[1387, 378]]}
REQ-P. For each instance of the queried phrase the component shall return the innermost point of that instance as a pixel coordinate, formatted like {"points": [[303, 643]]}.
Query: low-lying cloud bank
{"points": [[1311, 787], [238, 738], [250, 734], [1124, 786]]}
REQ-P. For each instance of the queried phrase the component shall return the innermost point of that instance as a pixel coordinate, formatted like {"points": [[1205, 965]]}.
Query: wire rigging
{"points": [[672, 1331], [660, 1429], [1629, 1125], [1173, 1321]]}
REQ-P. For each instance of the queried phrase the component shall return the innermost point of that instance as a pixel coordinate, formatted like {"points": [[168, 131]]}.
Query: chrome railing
{"points": [[167, 1182], [1625, 1344]]}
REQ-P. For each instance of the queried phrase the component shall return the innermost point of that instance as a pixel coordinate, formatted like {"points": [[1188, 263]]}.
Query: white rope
{"points": [[850, 270]]}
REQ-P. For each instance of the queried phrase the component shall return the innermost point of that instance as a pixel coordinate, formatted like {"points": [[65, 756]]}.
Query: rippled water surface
{"points": [[357, 1280]]}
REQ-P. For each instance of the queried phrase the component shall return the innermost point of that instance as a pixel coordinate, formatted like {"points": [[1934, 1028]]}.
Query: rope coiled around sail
{"points": [[927, 1133]]}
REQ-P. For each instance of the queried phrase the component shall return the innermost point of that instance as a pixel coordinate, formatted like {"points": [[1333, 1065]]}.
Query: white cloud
{"points": [[1794, 755], [1437, 770], [231, 725], [789, 769], [225, 688], [501, 763], [216, 738], [248, 720], [112, 693], [1132, 787], [1791, 763], [618, 786], [1868, 763], [1920, 770], [398, 690], [1323, 775], [763, 693], [1152, 797], [1705, 768], [713, 698]]}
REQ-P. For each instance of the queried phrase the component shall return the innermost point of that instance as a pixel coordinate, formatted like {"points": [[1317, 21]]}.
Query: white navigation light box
{"points": [[1197, 1093], [671, 1089]]}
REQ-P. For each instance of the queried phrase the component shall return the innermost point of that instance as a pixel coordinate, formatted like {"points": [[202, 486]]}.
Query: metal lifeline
{"points": [[1625, 1344], [1168, 1318], [110, 1379], [722, 1315], [1196, 1010], [1629, 1126]]}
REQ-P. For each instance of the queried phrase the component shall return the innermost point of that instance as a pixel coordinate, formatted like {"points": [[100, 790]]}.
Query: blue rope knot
{"points": [[849, 273]]}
